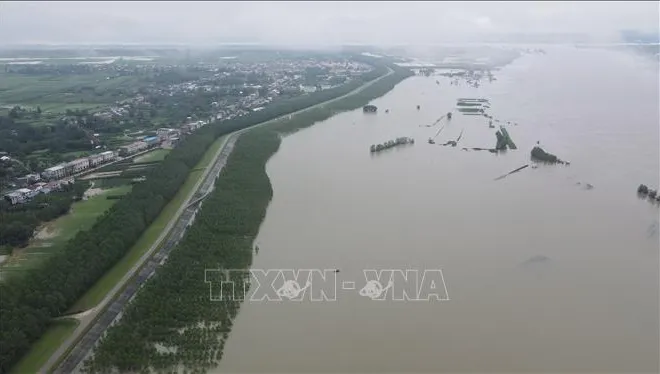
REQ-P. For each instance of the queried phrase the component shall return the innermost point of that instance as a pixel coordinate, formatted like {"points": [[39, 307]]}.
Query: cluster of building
{"points": [[252, 86], [78, 165], [244, 86], [64, 172], [23, 195], [190, 127], [54, 177], [139, 146]]}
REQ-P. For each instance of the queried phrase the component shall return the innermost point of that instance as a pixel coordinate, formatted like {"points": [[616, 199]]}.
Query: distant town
{"points": [[159, 104]]}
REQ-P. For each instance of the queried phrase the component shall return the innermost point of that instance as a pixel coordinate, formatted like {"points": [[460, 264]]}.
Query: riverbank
{"points": [[530, 257], [218, 237], [102, 316], [115, 234]]}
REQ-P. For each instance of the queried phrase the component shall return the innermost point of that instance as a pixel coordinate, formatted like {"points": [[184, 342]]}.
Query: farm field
{"points": [[58, 93], [153, 156]]}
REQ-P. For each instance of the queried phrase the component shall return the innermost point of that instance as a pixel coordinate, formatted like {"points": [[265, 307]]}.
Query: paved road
{"points": [[86, 318], [95, 321]]}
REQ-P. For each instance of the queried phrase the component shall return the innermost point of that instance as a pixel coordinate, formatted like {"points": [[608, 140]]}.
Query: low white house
{"points": [[20, 196]]}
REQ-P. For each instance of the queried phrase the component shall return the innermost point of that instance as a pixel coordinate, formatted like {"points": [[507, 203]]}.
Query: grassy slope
{"points": [[105, 284], [155, 155], [55, 335], [82, 217], [221, 236], [41, 351]]}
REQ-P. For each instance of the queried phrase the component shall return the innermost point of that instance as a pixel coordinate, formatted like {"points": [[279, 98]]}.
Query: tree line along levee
{"points": [[189, 330], [112, 313], [29, 304]]}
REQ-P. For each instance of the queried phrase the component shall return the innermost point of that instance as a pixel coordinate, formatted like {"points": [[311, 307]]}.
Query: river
{"points": [[591, 306]]}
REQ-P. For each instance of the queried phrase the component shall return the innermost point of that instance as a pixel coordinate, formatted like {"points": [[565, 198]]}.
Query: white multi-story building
{"points": [[133, 148], [95, 160], [192, 126], [108, 156], [33, 178], [56, 172], [78, 165], [163, 131], [100, 158], [166, 133]]}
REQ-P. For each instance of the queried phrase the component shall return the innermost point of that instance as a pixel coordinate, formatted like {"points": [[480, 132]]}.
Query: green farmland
{"points": [[58, 93]]}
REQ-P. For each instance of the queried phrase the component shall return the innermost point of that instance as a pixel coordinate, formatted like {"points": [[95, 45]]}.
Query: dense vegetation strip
{"points": [[28, 305], [172, 323]]}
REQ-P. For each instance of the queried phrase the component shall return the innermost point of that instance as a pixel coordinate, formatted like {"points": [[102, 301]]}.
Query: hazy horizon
{"points": [[318, 23]]}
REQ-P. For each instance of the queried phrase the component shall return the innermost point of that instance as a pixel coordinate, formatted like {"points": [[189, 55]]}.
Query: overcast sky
{"points": [[309, 22]]}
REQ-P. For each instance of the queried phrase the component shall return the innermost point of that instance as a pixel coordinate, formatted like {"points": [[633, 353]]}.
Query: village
{"points": [[55, 177], [236, 88]]}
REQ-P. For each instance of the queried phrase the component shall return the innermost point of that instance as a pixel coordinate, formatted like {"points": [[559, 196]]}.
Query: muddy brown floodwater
{"points": [[543, 273]]}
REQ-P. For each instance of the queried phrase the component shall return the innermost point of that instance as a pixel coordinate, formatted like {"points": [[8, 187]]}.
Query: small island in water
{"points": [[391, 143]]}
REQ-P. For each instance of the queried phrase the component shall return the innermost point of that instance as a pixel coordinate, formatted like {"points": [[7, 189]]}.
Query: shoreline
{"points": [[251, 152]]}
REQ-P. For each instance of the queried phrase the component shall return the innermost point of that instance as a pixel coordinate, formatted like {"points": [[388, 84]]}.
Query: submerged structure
{"points": [[391, 143], [472, 106], [540, 155], [369, 109], [504, 140]]}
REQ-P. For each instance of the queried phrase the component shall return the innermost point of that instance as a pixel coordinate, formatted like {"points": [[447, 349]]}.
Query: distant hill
{"points": [[637, 36]]}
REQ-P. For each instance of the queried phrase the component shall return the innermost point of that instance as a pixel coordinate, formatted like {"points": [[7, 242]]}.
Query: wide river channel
{"points": [[551, 269]]}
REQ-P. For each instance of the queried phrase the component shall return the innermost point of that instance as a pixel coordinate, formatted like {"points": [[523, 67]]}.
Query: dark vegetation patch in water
{"points": [[644, 192], [539, 154]]}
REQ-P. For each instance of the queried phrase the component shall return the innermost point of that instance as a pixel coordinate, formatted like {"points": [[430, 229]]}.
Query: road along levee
{"points": [[72, 352]]}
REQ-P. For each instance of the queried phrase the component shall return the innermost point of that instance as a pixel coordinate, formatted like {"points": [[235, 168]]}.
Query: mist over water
{"points": [[591, 306], [321, 22]]}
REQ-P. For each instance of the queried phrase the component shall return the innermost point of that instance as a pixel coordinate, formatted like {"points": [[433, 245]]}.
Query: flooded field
{"points": [[551, 269]]}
